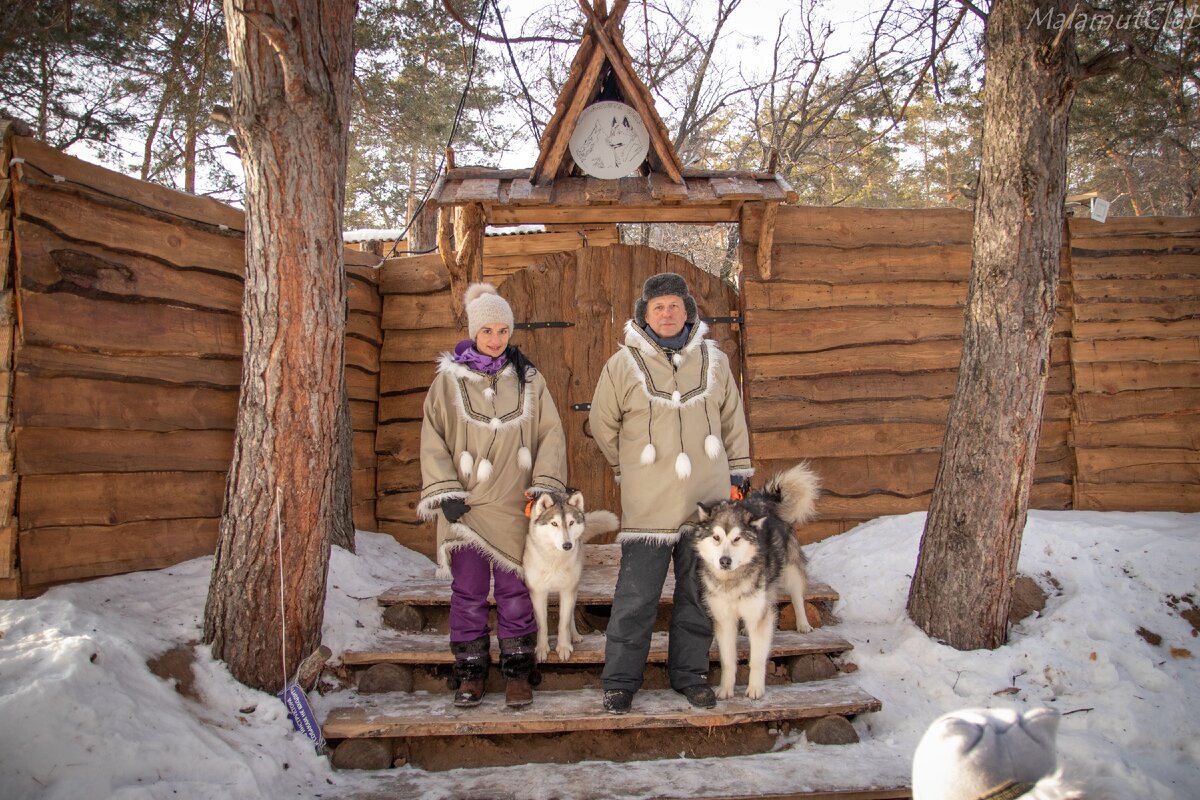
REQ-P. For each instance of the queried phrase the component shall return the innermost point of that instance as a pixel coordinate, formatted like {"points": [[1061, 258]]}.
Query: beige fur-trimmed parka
{"points": [[672, 428], [486, 442]]}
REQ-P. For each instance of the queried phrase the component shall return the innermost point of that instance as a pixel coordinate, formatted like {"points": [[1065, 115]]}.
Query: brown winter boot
{"points": [[516, 663], [471, 661]]}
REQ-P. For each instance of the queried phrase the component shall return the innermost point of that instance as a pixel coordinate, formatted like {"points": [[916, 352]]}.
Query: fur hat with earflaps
{"points": [[484, 307], [985, 754], [662, 284]]}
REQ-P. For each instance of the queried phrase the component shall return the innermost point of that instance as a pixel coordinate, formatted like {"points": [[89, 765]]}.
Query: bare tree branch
{"points": [[474, 31]]}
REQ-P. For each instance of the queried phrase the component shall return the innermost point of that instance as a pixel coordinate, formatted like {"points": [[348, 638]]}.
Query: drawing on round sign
{"points": [[610, 140]]}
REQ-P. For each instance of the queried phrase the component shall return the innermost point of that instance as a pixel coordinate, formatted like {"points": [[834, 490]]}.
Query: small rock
{"points": [[1027, 597], [816, 667], [405, 619], [831, 730], [362, 754], [386, 678]]}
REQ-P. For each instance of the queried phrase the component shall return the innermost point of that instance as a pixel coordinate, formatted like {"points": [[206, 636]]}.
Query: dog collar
{"points": [[1010, 791]]}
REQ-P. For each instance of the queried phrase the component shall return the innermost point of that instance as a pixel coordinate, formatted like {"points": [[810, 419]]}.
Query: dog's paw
{"points": [[725, 692], [564, 651], [576, 637], [542, 652], [802, 623], [755, 692]]}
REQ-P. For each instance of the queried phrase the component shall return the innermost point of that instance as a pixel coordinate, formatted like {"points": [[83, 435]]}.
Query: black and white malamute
{"points": [[746, 550]]}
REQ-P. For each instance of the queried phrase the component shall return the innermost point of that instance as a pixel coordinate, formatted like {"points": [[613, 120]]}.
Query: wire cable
{"points": [[537, 134], [458, 111]]}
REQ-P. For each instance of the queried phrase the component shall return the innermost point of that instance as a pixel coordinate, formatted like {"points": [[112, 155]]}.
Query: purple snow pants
{"points": [[471, 574]]}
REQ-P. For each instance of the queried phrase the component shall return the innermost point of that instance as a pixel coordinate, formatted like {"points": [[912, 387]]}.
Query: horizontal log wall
{"points": [[1136, 359], [418, 324], [852, 350], [127, 368]]}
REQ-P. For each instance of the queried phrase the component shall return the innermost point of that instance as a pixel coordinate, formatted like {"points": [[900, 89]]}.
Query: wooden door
{"points": [[594, 290]]}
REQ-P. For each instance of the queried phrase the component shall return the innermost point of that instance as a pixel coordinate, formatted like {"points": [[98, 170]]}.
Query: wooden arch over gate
{"points": [[594, 289], [556, 191]]}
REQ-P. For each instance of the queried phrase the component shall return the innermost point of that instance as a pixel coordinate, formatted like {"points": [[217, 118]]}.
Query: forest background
{"points": [[140, 86]]}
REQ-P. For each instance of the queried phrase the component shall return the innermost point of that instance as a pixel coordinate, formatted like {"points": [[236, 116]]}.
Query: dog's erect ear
{"points": [[576, 500], [758, 524], [543, 501], [702, 512]]}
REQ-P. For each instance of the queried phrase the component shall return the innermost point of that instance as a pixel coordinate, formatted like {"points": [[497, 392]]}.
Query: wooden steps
{"points": [[402, 712], [595, 588], [420, 649], [424, 714]]}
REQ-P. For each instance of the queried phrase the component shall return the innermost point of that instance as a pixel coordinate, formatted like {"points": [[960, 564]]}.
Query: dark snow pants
{"points": [[635, 607]]}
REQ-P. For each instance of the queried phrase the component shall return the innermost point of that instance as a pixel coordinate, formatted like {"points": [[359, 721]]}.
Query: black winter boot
{"points": [[516, 664], [471, 661]]}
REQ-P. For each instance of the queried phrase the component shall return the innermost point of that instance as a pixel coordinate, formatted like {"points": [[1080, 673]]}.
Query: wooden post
{"points": [[445, 244], [766, 240], [469, 225], [10, 576], [750, 220]]}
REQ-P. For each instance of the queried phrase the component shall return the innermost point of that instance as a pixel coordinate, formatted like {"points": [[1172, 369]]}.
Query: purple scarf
{"points": [[465, 353]]}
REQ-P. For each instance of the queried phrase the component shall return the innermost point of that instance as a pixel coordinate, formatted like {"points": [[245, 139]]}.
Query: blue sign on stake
{"points": [[301, 714]]}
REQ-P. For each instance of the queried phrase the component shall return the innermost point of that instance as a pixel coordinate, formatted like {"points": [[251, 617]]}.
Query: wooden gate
{"points": [[578, 303]]}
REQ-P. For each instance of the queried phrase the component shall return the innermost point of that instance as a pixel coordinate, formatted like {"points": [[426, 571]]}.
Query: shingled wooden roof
{"points": [[513, 197]]}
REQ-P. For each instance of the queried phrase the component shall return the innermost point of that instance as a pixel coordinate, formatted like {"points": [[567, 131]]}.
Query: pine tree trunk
{"points": [[292, 66], [343, 498], [962, 587]]}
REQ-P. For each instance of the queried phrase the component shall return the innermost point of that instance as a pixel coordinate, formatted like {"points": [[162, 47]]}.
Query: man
{"points": [[667, 414]]}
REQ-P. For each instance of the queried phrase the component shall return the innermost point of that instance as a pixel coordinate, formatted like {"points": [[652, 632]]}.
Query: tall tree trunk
{"points": [[343, 491], [962, 589], [292, 67]]}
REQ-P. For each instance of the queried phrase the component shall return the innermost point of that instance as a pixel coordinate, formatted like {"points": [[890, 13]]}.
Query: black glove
{"points": [[454, 509]]}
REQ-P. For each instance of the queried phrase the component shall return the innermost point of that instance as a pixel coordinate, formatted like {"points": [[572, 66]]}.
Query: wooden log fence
{"points": [[120, 346], [1135, 356], [852, 349], [122, 352]]}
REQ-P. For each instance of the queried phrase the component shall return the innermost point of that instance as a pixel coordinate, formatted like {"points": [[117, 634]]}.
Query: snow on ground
{"points": [[81, 714]]}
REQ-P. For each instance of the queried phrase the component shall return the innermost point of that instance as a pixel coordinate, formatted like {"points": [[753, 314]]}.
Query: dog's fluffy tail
{"points": [[598, 522], [796, 491]]}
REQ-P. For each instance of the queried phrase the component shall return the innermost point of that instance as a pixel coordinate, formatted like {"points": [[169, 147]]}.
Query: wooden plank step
{"points": [[420, 649], [595, 588], [417, 714], [408, 785]]}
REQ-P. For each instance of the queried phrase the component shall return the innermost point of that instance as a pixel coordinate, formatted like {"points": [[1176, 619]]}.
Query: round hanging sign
{"points": [[610, 140]]}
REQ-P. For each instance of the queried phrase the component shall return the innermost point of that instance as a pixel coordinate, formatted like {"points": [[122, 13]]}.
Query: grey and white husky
{"points": [[558, 527], [746, 550]]}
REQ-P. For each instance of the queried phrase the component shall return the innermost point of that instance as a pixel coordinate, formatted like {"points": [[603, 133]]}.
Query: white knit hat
{"points": [[984, 754], [485, 307]]}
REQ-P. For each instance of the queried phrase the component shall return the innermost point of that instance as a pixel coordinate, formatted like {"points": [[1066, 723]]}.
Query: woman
{"points": [[491, 436]]}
